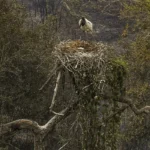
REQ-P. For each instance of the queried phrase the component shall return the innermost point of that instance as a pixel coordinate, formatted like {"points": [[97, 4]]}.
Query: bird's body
{"points": [[86, 25]]}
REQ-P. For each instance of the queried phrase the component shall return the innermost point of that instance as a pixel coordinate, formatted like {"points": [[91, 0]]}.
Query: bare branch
{"points": [[34, 126], [55, 91], [63, 146], [112, 115], [18, 125], [87, 86], [56, 113], [137, 111], [130, 103], [47, 81], [57, 118], [51, 75], [117, 112]]}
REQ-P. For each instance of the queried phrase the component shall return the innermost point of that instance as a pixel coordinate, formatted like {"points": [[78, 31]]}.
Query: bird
{"points": [[86, 25]]}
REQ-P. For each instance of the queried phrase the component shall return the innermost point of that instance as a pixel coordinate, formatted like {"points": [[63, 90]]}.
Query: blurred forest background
{"points": [[29, 31]]}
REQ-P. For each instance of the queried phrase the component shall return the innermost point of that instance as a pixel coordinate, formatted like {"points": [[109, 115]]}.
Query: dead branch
{"points": [[46, 82], [122, 109], [50, 77], [129, 102], [18, 125], [55, 113], [63, 146], [55, 91], [33, 126]]}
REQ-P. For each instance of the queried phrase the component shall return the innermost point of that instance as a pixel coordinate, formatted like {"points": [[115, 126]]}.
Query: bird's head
{"points": [[82, 21], [83, 18]]}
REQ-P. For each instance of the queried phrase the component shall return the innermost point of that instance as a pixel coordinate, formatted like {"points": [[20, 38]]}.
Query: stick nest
{"points": [[87, 61], [82, 55]]}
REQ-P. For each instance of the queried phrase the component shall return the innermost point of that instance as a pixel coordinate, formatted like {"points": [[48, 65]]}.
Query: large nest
{"points": [[87, 61], [81, 55]]}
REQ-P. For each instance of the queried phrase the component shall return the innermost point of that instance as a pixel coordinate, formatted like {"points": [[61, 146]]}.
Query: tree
{"points": [[90, 89], [137, 56], [98, 94], [25, 55]]}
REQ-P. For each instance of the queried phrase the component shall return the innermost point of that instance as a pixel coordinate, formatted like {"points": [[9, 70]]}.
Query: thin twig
{"points": [[47, 81], [63, 146], [85, 87], [122, 109], [55, 113], [51, 75]]}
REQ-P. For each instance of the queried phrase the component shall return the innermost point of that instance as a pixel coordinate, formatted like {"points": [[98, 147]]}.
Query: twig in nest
{"points": [[55, 91]]}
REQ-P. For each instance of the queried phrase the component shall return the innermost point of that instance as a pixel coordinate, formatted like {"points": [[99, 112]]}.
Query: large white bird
{"points": [[86, 25]]}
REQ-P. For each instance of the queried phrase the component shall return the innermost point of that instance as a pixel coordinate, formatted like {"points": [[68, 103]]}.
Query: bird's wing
{"points": [[89, 24]]}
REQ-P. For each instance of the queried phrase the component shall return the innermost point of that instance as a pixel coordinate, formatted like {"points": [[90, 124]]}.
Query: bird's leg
{"points": [[86, 36], [92, 36], [82, 35]]}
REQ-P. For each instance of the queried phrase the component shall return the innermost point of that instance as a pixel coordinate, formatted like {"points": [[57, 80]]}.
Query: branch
{"points": [[55, 113], [129, 102], [117, 112], [63, 146], [55, 91], [51, 75], [57, 118], [137, 111], [34, 126], [18, 125], [112, 115], [47, 81]]}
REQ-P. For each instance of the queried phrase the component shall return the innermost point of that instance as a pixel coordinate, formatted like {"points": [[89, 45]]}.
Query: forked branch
{"points": [[33, 126]]}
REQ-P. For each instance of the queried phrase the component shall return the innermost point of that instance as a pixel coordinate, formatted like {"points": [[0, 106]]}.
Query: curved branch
{"points": [[57, 118], [34, 126], [18, 125], [129, 102]]}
